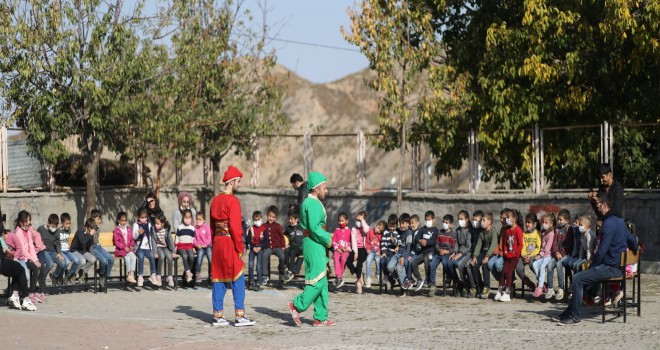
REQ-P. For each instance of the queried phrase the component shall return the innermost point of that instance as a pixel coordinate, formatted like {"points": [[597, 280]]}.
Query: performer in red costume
{"points": [[228, 250]]}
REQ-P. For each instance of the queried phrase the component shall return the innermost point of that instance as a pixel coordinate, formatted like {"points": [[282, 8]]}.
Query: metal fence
{"points": [[353, 162]]}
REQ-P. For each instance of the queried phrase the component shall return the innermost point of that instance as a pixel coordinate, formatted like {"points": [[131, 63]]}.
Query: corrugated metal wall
{"points": [[25, 170]]}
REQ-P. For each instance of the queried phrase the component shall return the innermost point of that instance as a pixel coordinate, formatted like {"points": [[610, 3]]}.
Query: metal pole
{"points": [[470, 164], [308, 154], [360, 160], [254, 180], [611, 148], [4, 167], [542, 163]]}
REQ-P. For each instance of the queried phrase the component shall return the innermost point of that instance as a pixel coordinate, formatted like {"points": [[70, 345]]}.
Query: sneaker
{"points": [[617, 298], [101, 282], [288, 276], [505, 297], [33, 298], [219, 322], [472, 293], [340, 282], [426, 284], [264, 280], [419, 285], [560, 294], [326, 323], [188, 276], [569, 321], [70, 279], [153, 279], [608, 302], [368, 283], [406, 285], [28, 305], [295, 314], [432, 291], [130, 278], [170, 281], [485, 292], [14, 302], [257, 287], [560, 317], [140, 281], [549, 294], [244, 321], [538, 292], [498, 295]]}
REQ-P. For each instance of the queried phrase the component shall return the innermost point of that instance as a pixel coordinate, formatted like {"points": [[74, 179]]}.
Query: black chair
{"points": [[627, 258]]}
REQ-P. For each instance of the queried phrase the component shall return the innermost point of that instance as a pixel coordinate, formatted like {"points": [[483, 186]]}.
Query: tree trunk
{"points": [[399, 184], [217, 175], [159, 170], [92, 157]]}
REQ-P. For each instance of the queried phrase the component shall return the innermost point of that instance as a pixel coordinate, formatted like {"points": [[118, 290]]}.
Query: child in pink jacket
{"points": [[22, 242], [542, 260], [341, 245], [202, 243], [122, 238]]}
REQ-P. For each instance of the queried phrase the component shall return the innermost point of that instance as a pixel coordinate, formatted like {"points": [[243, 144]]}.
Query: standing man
{"points": [[609, 187], [315, 244], [605, 263], [227, 261], [301, 186]]}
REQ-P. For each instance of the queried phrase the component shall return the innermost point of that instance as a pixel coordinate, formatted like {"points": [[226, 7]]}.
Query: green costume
{"points": [[315, 244]]}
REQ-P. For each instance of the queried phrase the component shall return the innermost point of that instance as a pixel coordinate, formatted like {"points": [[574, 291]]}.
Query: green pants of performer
{"points": [[316, 294]]}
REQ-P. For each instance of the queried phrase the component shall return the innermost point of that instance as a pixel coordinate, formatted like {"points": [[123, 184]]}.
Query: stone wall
{"points": [[642, 208]]}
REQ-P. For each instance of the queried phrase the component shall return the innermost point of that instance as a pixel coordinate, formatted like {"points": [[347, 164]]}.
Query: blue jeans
{"points": [[201, 253], [373, 255], [539, 267], [61, 264], [457, 268], [437, 260], [560, 271], [495, 266], [577, 265], [254, 259], [145, 253], [589, 278], [393, 264], [46, 265], [69, 256], [106, 261]]}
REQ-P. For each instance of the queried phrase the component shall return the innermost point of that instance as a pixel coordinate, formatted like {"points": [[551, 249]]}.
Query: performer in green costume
{"points": [[315, 244]]}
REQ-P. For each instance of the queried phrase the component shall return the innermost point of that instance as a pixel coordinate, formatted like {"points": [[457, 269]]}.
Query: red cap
{"points": [[231, 174]]}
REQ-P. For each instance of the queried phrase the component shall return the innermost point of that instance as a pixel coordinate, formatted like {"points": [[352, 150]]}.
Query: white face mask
{"points": [[475, 223], [445, 226], [462, 223], [257, 223], [53, 229], [546, 227], [358, 224], [583, 229], [429, 223], [508, 222]]}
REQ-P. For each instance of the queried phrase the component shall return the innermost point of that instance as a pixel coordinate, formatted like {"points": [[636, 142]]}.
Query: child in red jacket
{"points": [[122, 238], [512, 244]]}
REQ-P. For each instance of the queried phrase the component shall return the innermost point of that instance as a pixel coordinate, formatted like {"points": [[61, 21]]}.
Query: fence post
{"points": [[536, 161], [4, 167], [360, 160], [254, 180], [308, 154], [415, 167], [541, 162]]}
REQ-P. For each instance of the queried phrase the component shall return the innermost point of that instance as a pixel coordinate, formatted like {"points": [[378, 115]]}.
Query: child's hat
{"points": [[231, 174], [314, 179]]}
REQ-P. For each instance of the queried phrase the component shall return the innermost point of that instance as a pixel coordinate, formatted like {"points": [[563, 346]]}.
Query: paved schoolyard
{"points": [[165, 319]]}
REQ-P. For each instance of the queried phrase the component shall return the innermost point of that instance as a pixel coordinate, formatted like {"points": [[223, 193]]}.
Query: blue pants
{"points": [[145, 253], [70, 257], [61, 264], [457, 268], [238, 291], [437, 260], [560, 271], [589, 278], [254, 259], [371, 256], [201, 253], [46, 265], [106, 261], [495, 266]]}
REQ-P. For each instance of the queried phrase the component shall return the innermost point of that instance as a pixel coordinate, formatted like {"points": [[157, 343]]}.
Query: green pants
{"points": [[316, 294]]}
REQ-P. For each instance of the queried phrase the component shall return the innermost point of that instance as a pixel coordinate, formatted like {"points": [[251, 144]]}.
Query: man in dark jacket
{"points": [[605, 263], [300, 185], [610, 187]]}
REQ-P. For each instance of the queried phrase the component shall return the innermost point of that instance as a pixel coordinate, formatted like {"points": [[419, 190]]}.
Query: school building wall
{"points": [[642, 208]]}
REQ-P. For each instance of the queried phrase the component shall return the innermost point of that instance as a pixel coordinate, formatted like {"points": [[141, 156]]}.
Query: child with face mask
{"points": [[424, 249], [257, 239], [184, 241], [165, 250], [341, 244]]}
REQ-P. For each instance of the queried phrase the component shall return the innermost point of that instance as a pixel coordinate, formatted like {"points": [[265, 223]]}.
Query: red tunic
{"points": [[227, 238]]}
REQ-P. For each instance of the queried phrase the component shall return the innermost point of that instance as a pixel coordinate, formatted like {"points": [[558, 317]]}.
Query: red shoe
{"points": [[295, 314], [326, 323]]}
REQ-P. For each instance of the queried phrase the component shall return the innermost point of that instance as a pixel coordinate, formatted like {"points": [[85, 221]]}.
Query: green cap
{"points": [[314, 179]]}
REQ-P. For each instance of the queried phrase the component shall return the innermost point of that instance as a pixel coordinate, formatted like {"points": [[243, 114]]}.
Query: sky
{"points": [[315, 22]]}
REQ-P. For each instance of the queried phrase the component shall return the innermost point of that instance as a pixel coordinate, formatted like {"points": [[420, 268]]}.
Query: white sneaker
{"points": [[498, 296], [153, 279], [559, 295], [140, 281], [27, 305], [14, 302], [220, 322], [244, 321], [549, 294], [505, 297], [368, 284]]}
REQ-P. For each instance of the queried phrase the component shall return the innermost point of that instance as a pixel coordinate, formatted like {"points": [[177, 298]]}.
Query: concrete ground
{"points": [[168, 319]]}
